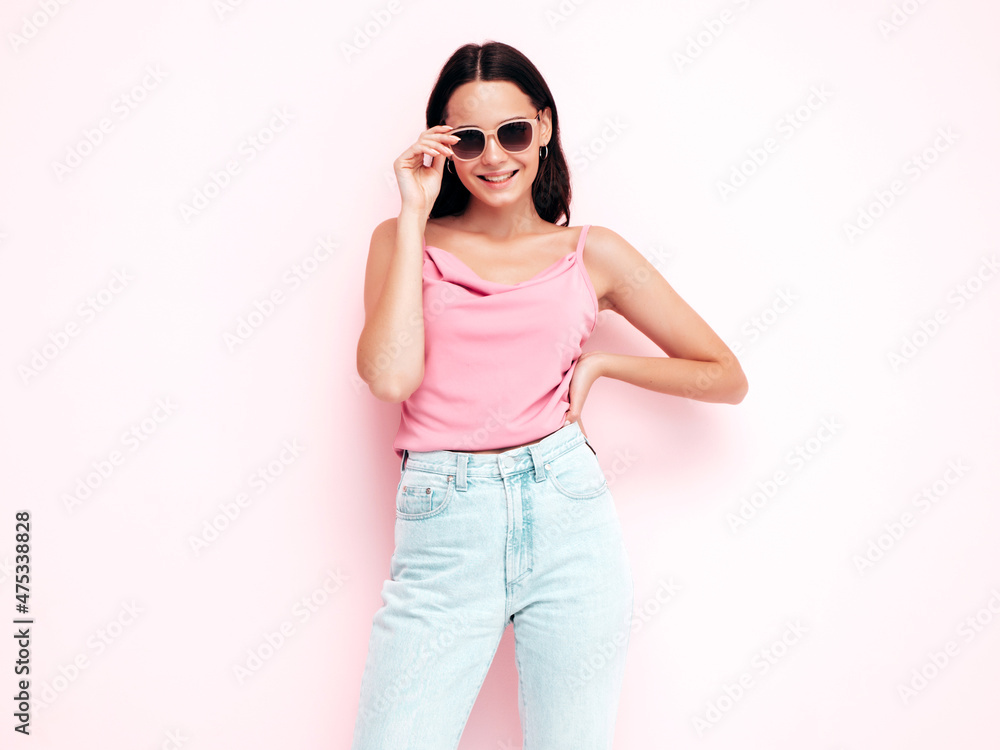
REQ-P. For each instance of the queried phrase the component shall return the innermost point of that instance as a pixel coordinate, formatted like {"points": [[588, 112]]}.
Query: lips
{"points": [[508, 175]]}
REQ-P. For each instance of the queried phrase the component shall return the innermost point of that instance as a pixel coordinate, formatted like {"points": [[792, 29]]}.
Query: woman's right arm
{"points": [[391, 346]]}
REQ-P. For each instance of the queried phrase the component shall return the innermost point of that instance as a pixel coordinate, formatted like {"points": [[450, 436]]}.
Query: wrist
{"points": [[603, 363], [413, 214]]}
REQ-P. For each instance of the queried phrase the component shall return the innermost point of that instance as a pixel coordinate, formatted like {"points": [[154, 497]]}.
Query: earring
{"points": [[541, 155], [448, 163]]}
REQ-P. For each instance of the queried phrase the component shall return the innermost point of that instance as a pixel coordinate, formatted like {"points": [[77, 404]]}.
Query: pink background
{"points": [[694, 91]]}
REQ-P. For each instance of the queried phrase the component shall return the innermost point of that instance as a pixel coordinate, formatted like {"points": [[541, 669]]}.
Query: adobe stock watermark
{"points": [[766, 490], [248, 150], [957, 298], [231, 511], [736, 690], [6, 569], [174, 740], [273, 641], [434, 305], [603, 654], [442, 641], [700, 40], [786, 126], [495, 419], [640, 275], [32, 25], [542, 536], [96, 644], [708, 376], [567, 346], [659, 257], [753, 329], [547, 534], [94, 136], [900, 16], [102, 469], [622, 460], [893, 531], [912, 170], [367, 32], [560, 14], [938, 660], [86, 312], [389, 175], [292, 279], [587, 154], [223, 8]]}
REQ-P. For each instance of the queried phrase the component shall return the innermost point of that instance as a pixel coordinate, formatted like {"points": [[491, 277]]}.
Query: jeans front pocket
{"points": [[576, 473], [423, 494]]}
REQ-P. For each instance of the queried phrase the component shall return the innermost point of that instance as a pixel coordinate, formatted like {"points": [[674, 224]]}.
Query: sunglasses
{"points": [[514, 137]]}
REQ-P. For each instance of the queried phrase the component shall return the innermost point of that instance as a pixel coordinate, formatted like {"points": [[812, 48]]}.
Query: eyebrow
{"points": [[470, 125]]}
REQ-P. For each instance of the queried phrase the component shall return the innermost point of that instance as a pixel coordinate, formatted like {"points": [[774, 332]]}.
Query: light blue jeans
{"points": [[530, 537]]}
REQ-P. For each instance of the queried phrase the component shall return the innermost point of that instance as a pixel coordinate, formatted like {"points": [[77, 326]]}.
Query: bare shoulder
{"points": [[383, 242], [386, 229], [607, 246], [611, 261], [380, 251]]}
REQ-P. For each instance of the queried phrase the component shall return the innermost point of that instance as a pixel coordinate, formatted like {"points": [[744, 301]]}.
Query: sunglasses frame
{"points": [[488, 133]]}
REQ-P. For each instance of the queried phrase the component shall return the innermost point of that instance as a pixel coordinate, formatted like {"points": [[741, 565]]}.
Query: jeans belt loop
{"points": [[460, 483], [539, 461]]}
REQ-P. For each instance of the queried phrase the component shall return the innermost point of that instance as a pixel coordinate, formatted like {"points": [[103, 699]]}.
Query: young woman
{"points": [[477, 305]]}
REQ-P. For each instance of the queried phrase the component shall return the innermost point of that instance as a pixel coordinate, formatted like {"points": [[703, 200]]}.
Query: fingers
{"points": [[434, 142], [437, 141]]}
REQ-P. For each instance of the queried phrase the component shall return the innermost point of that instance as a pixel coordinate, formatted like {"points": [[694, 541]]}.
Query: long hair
{"points": [[496, 61]]}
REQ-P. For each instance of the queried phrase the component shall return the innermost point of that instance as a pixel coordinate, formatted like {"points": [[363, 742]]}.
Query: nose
{"points": [[493, 153]]}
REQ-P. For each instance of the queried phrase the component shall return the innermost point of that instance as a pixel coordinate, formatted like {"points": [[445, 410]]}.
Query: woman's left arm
{"points": [[698, 364]]}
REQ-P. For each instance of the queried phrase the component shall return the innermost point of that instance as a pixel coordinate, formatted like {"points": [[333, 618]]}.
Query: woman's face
{"points": [[486, 105]]}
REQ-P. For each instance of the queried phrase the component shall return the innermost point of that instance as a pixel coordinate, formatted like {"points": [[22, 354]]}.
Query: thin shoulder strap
{"points": [[583, 241]]}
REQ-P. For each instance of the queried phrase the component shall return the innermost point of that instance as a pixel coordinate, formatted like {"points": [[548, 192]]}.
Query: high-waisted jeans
{"points": [[531, 537]]}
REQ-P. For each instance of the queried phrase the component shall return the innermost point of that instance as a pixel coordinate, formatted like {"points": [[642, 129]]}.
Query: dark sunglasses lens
{"points": [[470, 145], [515, 136]]}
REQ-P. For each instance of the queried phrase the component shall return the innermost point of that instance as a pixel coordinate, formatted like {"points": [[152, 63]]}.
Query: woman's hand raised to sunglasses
{"points": [[419, 185]]}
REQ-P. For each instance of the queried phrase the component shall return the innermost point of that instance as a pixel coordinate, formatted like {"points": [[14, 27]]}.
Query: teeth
{"points": [[501, 178]]}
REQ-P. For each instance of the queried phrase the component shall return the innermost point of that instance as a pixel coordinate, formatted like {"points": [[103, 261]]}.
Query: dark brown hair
{"points": [[496, 61]]}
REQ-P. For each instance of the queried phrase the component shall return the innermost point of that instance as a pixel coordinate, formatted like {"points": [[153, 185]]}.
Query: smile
{"points": [[499, 179]]}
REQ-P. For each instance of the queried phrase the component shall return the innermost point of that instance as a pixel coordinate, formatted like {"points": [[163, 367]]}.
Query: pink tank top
{"points": [[498, 358]]}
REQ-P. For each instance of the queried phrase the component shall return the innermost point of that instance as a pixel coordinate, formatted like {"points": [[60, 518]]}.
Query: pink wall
{"points": [[819, 181]]}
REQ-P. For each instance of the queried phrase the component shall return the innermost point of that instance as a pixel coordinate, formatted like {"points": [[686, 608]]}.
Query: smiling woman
{"points": [[477, 307]]}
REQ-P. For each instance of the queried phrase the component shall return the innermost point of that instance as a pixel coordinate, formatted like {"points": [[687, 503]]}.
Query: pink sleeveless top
{"points": [[498, 358]]}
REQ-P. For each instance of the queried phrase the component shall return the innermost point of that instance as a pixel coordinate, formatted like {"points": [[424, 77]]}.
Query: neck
{"points": [[501, 222]]}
